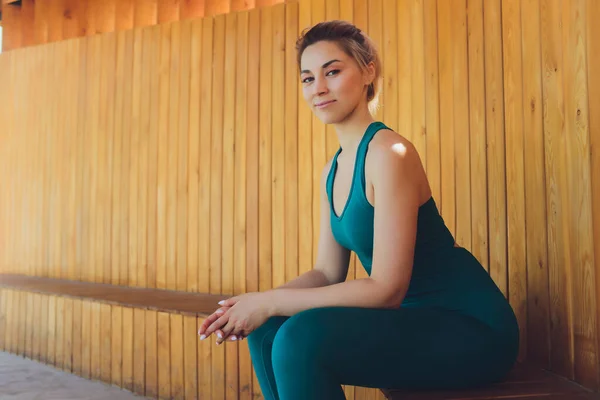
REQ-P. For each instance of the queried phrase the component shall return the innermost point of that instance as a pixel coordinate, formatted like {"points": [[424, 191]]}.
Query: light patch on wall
{"points": [[0, 39]]}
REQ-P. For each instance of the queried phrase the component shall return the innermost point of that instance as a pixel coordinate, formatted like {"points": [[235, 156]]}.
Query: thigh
{"points": [[401, 348]]}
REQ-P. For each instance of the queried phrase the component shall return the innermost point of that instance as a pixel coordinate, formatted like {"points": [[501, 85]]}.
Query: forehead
{"points": [[317, 54]]}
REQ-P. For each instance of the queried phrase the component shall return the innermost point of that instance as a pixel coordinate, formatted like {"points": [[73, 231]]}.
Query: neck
{"points": [[351, 130]]}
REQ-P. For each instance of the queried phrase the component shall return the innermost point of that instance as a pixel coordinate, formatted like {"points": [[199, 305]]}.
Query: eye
{"points": [[306, 80], [334, 71]]}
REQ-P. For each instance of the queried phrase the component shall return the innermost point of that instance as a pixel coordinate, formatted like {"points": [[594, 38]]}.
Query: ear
{"points": [[369, 74]]}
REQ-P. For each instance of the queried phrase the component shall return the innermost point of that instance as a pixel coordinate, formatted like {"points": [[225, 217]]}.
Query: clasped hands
{"points": [[238, 316]]}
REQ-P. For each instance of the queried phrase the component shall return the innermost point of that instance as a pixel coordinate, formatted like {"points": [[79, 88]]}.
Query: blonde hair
{"points": [[354, 43]]}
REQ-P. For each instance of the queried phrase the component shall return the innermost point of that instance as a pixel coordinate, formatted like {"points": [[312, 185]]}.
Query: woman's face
{"points": [[333, 83]]}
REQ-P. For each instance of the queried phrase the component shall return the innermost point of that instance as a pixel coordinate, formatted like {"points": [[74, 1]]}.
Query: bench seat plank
{"points": [[186, 303]]}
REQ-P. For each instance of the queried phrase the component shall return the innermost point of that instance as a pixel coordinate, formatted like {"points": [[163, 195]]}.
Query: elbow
{"points": [[393, 297]]}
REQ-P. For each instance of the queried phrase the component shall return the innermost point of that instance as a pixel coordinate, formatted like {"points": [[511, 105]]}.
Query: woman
{"points": [[428, 315]]}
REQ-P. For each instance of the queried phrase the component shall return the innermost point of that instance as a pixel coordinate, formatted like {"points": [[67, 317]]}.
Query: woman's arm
{"points": [[395, 166], [332, 261]]}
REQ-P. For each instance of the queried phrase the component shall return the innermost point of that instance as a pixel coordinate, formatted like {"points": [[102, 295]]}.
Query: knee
{"points": [[265, 332], [299, 339]]}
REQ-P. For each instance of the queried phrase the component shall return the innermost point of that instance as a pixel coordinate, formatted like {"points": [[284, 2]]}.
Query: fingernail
{"points": [[202, 337], [233, 338], [219, 311], [221, 302], [219, 335]]}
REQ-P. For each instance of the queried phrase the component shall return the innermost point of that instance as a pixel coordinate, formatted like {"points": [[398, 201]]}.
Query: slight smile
{"points": [[324, 104]]}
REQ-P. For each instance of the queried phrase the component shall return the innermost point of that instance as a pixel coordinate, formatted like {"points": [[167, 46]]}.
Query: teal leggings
{"points": [[310, 355]]}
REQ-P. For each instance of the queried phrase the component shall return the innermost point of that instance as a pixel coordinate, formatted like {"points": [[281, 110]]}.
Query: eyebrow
{"points": [[327, 64]]}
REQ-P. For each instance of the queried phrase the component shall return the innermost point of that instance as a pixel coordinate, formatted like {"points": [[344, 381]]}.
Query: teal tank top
{"points": [[442, 275], [353, 228]]}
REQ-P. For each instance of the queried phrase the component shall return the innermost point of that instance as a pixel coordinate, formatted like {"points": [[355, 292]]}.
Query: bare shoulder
{"points": [[390, 149], [394, 158]]}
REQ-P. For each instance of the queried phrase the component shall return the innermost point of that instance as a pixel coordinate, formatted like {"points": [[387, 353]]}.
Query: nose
{"points": [[320, 86]]}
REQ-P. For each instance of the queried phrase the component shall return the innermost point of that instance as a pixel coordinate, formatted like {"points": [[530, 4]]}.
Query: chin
{"points": [[330, 118]]}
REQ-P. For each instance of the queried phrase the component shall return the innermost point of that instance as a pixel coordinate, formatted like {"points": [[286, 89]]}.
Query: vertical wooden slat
{"points": [[252, 162], [319, 146], [38, 328], [145, 13], [446, 38], [432, 95], [579, 212], [127, 262], [152, 354], [332, 12], [134, 349], [52, 330], [216, 7], [264, 160], [152, 41], [68, 348], [462, 156], [183, 155], [204, 197], [96, 342], [55, 11], [191, 9], [216, 193], [176, 338], [118, 210], [86, 339], [305, 187], [11, 32], [292, 80], [116, 343], [193, 167], [27, 23], [133, 135], [593, 59], [278, 167], [240, 238], [556, 196], [515, 186], [3, 322], [105, 341], [30, 327], [229, 249], [190, 360], [105, 19], [125, 15], [494, 117], [477, 138], [535, 190], [163, 355], [141, 40], [77, 342], [172, 157], [72, 238], [168, 11], [161, 192], [40, 18]]}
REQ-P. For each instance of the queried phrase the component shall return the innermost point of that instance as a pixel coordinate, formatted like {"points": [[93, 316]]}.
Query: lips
{"points": [[324, 103]]}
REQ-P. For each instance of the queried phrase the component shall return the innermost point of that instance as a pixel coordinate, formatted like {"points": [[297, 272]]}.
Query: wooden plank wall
{"points": [[33, 22], [181, 156]]}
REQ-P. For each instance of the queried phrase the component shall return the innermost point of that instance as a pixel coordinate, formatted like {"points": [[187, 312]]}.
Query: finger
{"points": [[208, 321], [228, 302], [216, 325], [226, 332]]}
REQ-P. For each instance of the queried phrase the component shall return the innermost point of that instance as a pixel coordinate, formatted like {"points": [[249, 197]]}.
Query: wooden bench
{"points": [[198, 304], [524, 382]]}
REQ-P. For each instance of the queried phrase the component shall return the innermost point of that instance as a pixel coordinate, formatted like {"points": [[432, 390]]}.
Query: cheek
{"points": [[350, 89]]}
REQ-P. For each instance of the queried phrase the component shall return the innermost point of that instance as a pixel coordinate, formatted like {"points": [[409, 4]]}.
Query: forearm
{"points": [[364, 293], [311, 279]]}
